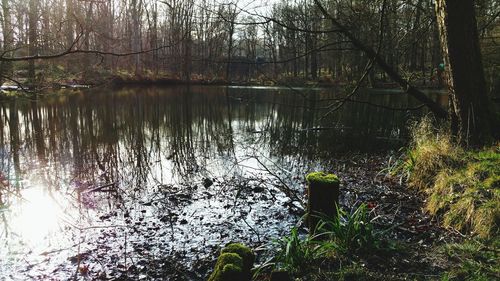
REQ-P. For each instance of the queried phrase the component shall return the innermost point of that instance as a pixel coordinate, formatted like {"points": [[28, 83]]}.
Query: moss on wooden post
{"points": [[244, 252], [234, 263], [323, 192]]}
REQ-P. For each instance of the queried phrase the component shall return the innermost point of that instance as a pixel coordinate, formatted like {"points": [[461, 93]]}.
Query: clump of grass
{"points": [[350, 232], [462, 186], [432, 149], [468, 197], [346, 234], [297, 254]]}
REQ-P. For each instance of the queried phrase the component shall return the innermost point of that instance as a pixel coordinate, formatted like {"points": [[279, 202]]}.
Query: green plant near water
{"points": [[296, 254], [347, 233], [401, 166], [476, 260], [351, 231]]}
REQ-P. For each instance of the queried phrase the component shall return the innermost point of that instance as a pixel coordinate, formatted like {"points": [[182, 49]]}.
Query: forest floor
{"points": [[435, 215], [417, 248], [416, 239], [415, 245]]}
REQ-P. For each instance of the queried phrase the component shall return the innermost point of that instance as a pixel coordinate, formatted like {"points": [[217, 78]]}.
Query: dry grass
{"points": [[432, 151], [463, 187]]}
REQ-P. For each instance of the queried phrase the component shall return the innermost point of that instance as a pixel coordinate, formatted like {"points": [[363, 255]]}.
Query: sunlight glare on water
{"points": [[37, 216]]}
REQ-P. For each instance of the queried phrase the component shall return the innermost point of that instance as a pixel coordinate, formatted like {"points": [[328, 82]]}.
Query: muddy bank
{"points": [[174, 232]]}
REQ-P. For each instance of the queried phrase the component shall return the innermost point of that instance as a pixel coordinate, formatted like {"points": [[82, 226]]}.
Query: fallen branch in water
{"points": [[101, 188], [286, 189]]}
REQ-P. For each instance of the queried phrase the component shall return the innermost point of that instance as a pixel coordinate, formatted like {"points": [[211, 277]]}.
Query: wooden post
{"points": [[323, 193]]}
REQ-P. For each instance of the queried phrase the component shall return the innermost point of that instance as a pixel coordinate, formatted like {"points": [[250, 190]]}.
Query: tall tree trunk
{"points": [[136, 36], [86, 40], [470, 114], [69, 30], [32, 38], [314, 45], [8, 39], [229, 51]]}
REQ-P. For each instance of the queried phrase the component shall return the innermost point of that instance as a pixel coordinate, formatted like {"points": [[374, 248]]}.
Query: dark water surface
{"points": [[130, 182]]}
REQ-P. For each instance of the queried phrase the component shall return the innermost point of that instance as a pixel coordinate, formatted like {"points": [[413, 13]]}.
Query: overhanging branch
{"points": [[391, 72]]}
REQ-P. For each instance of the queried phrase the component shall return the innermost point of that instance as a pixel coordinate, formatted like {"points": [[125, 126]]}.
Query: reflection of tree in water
{"points": [[142, 136], [299, 125], [108, 137], [14, 140]]}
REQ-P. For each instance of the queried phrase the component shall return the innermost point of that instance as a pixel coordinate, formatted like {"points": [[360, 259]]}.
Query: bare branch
{"points": [[71, 50], [372, 54]]}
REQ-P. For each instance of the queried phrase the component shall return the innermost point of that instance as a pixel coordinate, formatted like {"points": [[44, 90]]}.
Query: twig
{"points": [[339, 104], [100, 188], [253, 229], [79, 258], [288, 191], [26, 90]]}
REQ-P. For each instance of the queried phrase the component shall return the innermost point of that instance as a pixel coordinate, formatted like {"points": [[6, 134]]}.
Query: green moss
{"points": [[231, 272], [244, 252], [322, 178], [229, 265], [234, 263]]}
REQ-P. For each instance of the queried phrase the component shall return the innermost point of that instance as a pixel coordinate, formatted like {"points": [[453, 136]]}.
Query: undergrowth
{"points": [[463, 186], [350, 232], [475, 260], [336, 239]]}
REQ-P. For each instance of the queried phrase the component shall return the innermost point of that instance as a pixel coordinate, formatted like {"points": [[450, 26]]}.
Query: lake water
{"points": [[112, 182]]}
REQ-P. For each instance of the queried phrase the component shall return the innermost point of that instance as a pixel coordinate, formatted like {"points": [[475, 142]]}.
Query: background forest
{"points": [[229, 40]]}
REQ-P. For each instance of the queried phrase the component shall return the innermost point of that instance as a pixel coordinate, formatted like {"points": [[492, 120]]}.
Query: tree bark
{"points": [[470, 114]]}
